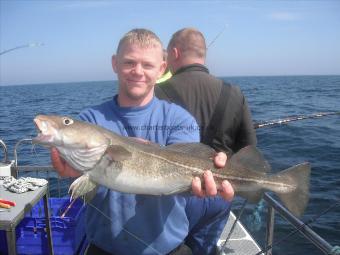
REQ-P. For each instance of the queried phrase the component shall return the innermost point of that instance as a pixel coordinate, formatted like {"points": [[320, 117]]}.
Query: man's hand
{"points": [[210, 189], [61, 166]]}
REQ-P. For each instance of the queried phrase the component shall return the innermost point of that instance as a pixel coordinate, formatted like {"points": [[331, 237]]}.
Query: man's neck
{"points": [[186, 62], [125, 101]]}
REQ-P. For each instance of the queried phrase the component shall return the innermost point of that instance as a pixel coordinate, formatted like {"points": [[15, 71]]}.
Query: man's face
{"points": [[138, 69]]}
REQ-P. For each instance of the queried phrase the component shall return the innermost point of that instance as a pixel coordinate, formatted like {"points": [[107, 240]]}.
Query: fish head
{"points": [[65, 131], [81, 144]]}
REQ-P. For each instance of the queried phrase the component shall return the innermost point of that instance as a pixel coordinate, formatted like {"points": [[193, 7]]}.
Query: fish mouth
{"points": [[43, 136]]}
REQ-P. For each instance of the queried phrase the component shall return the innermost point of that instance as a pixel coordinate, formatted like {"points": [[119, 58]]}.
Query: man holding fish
{"points": [[122, 223]]}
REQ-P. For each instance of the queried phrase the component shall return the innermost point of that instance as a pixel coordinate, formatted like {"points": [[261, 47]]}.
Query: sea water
{"points": [[270, 98]]}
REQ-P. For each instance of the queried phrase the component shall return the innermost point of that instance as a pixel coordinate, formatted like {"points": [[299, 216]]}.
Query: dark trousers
{"points": [[95, 250]]}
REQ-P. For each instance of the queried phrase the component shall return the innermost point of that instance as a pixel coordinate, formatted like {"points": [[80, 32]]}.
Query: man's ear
{"points": [[176, 52], [114, 63], [162, 69]]}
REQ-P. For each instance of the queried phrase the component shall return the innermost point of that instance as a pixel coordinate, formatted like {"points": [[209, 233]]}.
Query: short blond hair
{"points": [[190, 41], [142, 37]]}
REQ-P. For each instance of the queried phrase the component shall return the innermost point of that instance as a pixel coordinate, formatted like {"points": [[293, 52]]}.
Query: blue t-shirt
{"points": [[140, 224]]}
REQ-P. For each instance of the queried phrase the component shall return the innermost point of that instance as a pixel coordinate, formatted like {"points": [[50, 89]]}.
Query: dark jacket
{"points": [[197, 91]]}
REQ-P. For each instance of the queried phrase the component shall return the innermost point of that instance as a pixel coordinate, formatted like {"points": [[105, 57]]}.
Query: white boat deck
{"points": [[240, 242]]}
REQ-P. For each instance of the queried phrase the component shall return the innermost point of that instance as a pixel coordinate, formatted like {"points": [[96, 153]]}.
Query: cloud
{"points": [[284, 16]]}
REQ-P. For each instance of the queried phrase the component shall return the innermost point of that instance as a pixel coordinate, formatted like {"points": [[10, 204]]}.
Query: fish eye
{"points": [[67, 121]]}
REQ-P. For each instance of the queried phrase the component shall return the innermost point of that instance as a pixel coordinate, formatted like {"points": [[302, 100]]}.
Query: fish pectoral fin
{"points": [[143, 141], [118, 153], [81, 186]]}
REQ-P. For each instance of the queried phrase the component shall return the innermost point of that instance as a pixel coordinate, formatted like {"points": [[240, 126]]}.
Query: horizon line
{"points": [[224, 76]]}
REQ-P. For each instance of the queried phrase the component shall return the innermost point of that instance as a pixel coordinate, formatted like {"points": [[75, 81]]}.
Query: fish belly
{"points": [[131, 177]]}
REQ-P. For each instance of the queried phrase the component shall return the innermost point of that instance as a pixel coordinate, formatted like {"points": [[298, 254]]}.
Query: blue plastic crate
{"points": [[68, 233]]}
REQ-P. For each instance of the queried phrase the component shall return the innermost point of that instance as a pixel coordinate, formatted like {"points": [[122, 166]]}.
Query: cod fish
{"points": [[125, 164]]}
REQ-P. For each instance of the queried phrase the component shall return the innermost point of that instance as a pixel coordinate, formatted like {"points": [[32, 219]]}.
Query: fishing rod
{"points": [[22, 46], [274, 123], [218, 35]]}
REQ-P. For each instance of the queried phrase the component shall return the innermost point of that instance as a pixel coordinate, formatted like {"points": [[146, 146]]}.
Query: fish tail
{"points": [[296, 200]]}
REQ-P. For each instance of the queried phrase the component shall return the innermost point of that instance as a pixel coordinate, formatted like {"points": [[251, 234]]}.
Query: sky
{"points": [[254, 38]]}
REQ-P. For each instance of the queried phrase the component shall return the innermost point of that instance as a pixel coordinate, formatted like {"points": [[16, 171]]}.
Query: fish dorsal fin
{"points": [[118, 153], [250, 157], [194, 149]]}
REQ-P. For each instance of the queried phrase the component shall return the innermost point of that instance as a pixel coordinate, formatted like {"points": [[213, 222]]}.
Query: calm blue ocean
{"points": [[314, 140]]}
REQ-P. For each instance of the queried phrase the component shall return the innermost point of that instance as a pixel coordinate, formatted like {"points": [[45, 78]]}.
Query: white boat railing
{"points": [[45, 171], [4, 148], [301, 227]]}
